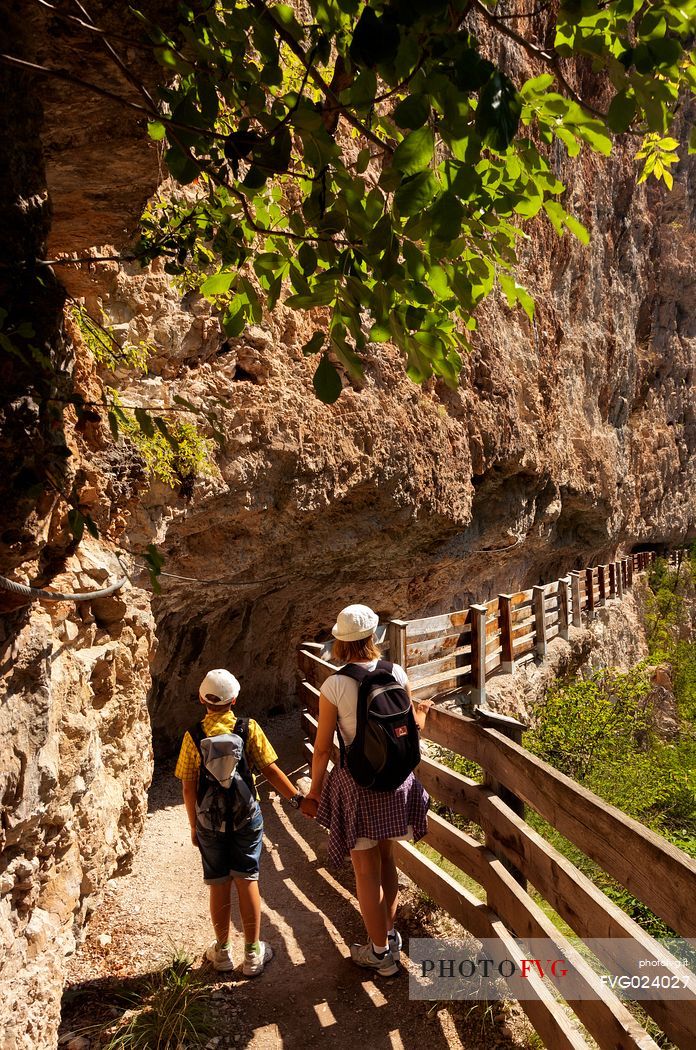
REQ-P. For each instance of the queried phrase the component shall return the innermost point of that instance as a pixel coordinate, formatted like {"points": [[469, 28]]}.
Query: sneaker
{"points": [[221, 958], [254, 962], [363, 955], [395, 945]]}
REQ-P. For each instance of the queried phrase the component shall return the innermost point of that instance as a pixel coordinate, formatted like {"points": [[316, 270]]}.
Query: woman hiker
{"points": [[363, 822]]}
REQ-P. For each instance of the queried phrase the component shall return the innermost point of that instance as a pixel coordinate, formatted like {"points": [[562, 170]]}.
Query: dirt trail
{"points": [[310, 994]]}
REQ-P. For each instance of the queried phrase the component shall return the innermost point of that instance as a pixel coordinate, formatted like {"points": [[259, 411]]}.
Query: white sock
{"points": [[379, 951]]}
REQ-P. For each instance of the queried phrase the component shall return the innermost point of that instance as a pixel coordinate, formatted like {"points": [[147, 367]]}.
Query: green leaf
{"points": [[437, 279], [380, 333], [362, 161], [154, 561], [446, 216], [413, 112], [621, 112], [692, 141], [415, 193], [577, 229], [218, 284], [156, 130], [536, 86], [595, 135], [76, 524], [234, 319], [498, 112], [91, 526], [515, 293], [315, 344], [327, 382], [180, 166], [568, 139], [415, 152], [307, 258]]}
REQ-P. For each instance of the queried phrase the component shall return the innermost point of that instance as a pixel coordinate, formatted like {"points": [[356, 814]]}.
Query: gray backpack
{"points": [[226, 796]]}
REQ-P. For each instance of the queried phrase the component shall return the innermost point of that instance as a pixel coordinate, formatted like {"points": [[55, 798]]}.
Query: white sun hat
{"points": [[355, 622], [222, 684]]}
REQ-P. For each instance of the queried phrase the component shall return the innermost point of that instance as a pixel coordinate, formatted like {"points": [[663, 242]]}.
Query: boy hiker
{"points": [[226, 822]]}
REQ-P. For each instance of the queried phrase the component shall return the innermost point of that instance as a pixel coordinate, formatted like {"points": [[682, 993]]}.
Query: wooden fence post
{"points": [[618, 576], [589, 592], [507, 661], [396, 633], [575, 598], [612, 579], [478, 654], [629, 570], [602, 581], [539, 605], [513, 729], [563, 617]]}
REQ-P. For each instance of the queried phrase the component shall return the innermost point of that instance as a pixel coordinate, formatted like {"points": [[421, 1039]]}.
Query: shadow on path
{"points": [[310, 994]]}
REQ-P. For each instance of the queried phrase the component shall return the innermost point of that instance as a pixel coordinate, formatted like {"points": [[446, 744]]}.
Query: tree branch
{"points": [[62, 74], [65, 17], [297, 50], [549, 58]]}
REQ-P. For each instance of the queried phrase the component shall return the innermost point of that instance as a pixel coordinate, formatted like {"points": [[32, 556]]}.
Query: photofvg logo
{"points": [[467, 969]]}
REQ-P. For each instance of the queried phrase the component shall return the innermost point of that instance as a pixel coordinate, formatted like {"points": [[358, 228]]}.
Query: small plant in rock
{"points": [[174, 451], [104, 347], [173, 1012]]}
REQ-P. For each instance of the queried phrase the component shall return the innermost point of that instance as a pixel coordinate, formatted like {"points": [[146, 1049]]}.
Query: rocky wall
{"points": [[75, 741], [77, 762]]}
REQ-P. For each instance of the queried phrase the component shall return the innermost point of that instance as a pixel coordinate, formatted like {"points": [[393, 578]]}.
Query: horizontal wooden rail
{"points": [[655, 871], [546, 1014]]}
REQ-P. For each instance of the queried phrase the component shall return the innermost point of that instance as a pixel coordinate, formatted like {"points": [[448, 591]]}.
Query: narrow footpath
{"points": [[310, 994]]}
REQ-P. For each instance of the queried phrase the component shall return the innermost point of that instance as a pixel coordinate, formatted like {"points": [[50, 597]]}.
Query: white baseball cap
{"points": [[355, 622], [222, 684]]}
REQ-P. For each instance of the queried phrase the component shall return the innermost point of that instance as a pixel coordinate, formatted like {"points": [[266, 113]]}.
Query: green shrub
{"points": [[173, 1012]]}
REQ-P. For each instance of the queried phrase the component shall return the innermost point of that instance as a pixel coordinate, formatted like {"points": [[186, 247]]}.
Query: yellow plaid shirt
{"points": [[260, 752]]}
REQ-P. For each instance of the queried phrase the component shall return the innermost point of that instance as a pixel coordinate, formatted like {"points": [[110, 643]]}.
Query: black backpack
{"points": [[226, 795], [386, 747]]}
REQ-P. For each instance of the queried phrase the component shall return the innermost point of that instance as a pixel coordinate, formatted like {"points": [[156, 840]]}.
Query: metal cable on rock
{"points": [[37, 594]]}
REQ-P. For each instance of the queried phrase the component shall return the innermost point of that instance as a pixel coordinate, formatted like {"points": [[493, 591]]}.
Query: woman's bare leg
{"points": [[390, 880], [367, 864]]}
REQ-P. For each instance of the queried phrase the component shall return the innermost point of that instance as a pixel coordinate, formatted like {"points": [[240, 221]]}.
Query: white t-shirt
{"points": [[342, 692]]}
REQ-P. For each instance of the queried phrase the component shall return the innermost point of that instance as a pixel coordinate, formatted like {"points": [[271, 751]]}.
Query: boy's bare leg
{"points": [[249, 908], [221, 909]]}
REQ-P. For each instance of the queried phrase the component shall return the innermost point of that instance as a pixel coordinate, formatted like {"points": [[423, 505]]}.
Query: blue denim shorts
{"points": [[233, 854]]}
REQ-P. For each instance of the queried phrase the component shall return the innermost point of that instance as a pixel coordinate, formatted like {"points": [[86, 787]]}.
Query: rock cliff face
{"points": [[567, 440], [76, 767]]}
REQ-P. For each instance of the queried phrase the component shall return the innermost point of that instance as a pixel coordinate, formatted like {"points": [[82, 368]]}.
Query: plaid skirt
{"points": [[351, 812]]}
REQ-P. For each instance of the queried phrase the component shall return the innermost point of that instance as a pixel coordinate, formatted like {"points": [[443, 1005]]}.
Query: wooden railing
{"points": [[514, 854], [457, 652]]}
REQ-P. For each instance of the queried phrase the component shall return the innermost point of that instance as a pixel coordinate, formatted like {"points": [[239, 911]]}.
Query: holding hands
{"points": [[309, 806]]}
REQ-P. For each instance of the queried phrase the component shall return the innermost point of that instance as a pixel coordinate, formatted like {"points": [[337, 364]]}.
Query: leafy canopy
{"points": [[375, 161]]}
